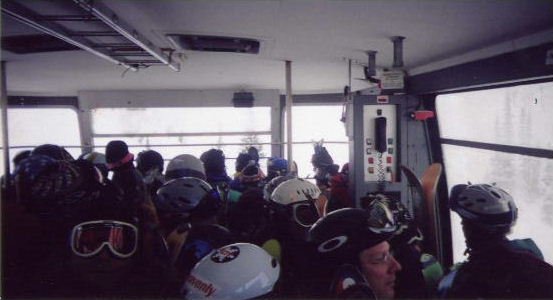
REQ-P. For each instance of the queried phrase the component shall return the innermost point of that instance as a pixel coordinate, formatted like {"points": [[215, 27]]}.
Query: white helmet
{"points": [[96, 158], [185, 165], [235, 271], [272, 185], [295, 190]]}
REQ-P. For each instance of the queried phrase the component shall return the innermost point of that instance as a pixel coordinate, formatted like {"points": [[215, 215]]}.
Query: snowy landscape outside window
{"points": [[313, 123], [185, 130], [31, 127], [514, 116]]}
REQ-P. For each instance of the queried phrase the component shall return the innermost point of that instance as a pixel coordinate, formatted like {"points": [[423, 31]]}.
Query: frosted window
{"points": [[518, 116], [311, 124], [180, 119], [169, 147], [35, 126], [527, 179]]}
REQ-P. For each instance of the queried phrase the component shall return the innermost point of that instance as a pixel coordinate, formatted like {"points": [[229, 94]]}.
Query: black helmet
{"points": [[148, 160], [242, 161], [254, 153], [53, 151], [116, 151], [341, 235], [214, 161]]}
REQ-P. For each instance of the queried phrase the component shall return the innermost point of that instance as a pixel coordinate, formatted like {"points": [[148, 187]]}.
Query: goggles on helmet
{"points": [[381, 218], [305, 213], [89, 238]]}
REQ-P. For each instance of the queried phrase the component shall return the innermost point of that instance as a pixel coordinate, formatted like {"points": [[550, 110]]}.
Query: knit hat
{"points": [[117, 154]]}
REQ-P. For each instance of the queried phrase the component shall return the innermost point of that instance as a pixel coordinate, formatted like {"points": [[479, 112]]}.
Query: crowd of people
{"points": [[118, 226]]}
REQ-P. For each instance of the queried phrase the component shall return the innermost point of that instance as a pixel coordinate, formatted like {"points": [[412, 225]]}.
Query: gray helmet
{"points": [[485, 205], [184, 196]]}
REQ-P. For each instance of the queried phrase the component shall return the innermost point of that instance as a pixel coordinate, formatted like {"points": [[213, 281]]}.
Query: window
{"points": [[514, 116], [30, 127], [192, 130], [312, 124]]}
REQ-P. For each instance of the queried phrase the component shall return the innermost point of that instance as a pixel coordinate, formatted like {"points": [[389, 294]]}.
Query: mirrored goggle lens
{"points": [[305, 214], [381, 218], [88, 239]]}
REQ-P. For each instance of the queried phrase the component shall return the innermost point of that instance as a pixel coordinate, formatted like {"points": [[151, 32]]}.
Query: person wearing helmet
{"points": [[185, 165], [186, 200], [216, 176], [250, 218], [53, 151], [248, 179], [297, 204], [183, 203], [7, 181], [495, 267], [65, 195], [125, 175], [200, 241], [112, 254], [276, 166], [406, 244], [295, 207], [339, 189], [236, 271], [150, 165], [272, 185], [99, 161], [215, 169], [248, 173], [33, 227], [323, 165], [254, 154], [149, 160], [332, 183], [356, 240]]}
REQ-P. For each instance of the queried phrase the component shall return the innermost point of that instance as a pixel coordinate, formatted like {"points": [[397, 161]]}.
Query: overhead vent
{"points": [[214, 43], [36, 43]]}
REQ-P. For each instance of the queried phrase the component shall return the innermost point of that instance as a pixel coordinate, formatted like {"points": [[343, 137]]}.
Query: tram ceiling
{"points": [[319, 37]]}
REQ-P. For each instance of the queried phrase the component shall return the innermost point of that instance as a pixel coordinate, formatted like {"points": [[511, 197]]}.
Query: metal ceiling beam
{"points": [[111, 19], [30, 18]]}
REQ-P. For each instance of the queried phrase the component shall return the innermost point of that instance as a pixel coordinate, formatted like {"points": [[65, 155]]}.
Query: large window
{"points": [[189, 130], [517, 116], [312, 124], [30, 127]]}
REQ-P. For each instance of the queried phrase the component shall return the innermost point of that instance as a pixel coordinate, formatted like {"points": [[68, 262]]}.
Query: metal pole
{"points": [[349, 78], [289, 102], [4, 105]]}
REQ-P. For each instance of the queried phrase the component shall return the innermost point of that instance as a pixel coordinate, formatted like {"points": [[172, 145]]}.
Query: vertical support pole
{"points": [[349, 77], [289, 102], [398, 51], [4, 104]]}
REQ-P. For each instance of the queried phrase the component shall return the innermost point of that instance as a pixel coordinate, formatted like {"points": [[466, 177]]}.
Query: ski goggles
{"points": [[381, 218], [304, 213], [89, 238]]}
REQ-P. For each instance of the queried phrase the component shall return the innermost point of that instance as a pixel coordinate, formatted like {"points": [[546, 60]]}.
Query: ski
{"points": [[429, 182], [423, 194]]}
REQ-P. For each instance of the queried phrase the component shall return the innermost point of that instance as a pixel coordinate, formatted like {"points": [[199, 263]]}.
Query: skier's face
{"points": [[379, 268]]}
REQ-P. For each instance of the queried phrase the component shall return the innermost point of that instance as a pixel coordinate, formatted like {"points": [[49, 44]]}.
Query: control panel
{"points": [[379, 142]]}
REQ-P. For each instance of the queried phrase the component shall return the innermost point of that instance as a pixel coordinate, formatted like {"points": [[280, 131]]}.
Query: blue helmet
{"points": [[278, 165]]}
